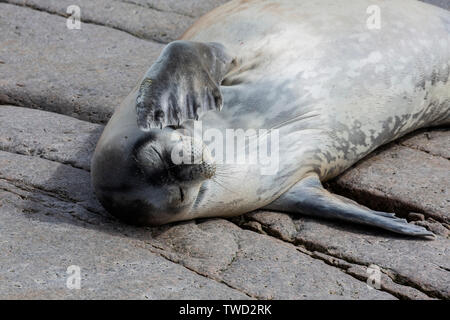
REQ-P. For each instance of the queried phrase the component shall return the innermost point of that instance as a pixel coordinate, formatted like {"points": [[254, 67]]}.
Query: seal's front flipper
{"points": [[182, 84], [310, 198]]}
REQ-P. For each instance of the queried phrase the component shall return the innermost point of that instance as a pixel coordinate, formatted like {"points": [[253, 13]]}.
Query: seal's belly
{"points": [[320, 64]]}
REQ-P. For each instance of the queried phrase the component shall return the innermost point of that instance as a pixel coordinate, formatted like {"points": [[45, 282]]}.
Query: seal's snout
{"points": [[183, 163], [191, 159]]}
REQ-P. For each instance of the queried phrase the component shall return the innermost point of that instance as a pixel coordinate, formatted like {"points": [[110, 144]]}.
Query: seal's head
{"points": [[149, 178]]}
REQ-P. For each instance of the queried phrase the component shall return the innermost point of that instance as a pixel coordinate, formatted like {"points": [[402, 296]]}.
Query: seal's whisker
{"points": [[219, 184], [225, 172], [297, 118]]}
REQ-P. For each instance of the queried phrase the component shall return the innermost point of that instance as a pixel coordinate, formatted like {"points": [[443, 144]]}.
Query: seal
{"points": [[332, 84]]}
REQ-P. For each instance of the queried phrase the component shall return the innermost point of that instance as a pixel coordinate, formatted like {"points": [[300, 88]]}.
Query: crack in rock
{"points": [[152, 7], [393, 284], [83, 20], [172, 258]]}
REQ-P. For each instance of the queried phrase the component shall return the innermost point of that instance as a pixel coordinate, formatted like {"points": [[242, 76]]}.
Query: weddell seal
{"points": [[327, 84]]}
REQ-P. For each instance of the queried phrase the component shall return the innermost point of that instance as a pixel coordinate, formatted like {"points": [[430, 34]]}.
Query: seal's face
{"points": [[142, 181]]}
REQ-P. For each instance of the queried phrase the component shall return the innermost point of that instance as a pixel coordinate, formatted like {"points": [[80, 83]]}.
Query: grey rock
{"points": [[264, 267], [139, 20], [64, 182], [277, 224], [414, 216], [192, 8], [36, 255], [81, 73], [48, 135], [416, 268], [435, 142], [387, 284], [361, 272], [420, 264], [435, 227]]}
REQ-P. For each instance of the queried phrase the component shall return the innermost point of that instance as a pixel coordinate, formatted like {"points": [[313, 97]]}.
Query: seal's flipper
{"points": [[310, 198], [183, 83]]}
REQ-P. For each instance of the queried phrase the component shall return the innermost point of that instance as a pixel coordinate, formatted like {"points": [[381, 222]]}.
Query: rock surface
{"points": [[82, 73], [140, 20], [50, 219], [37, 249], [67, 140]]}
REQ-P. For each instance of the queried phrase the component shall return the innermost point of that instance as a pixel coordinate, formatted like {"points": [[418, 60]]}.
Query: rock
{"points": [[192, 8], [253, 225], [260, 265], [435, 142], [420, 264], [81, 73], [277, 224], [435, 227], [414, 216], [36, 255], [417, 267], [48, 135], [386, 283], [364, 273], [140, 20]]}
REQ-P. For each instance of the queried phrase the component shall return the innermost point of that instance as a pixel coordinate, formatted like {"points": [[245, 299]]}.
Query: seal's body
{"points": [[334, 82]]}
